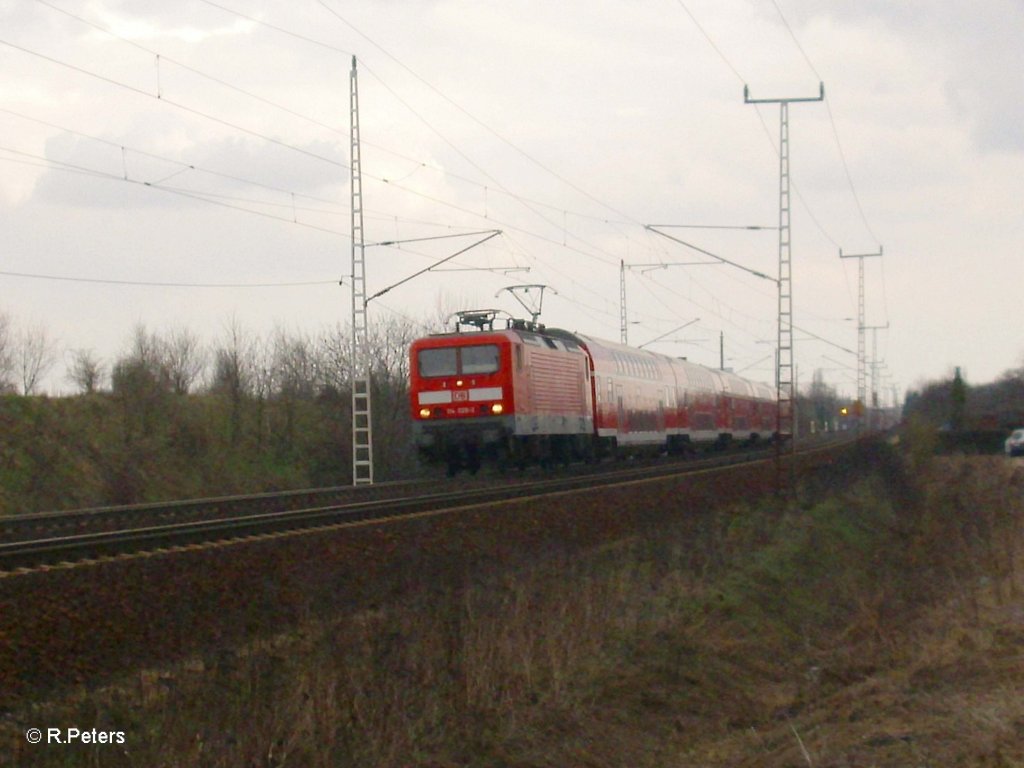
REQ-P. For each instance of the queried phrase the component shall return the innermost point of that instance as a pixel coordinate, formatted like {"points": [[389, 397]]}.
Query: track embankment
{"points": [[90, 621]]}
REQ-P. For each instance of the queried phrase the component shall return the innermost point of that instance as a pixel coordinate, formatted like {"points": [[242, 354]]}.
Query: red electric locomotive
{"points": [[511, 395], [527, 393]]}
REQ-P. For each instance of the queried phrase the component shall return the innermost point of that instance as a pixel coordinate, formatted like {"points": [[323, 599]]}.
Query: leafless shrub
{"points": [[6, 353], [85, 370], [184, 359], [296, 365], [35, 354]]}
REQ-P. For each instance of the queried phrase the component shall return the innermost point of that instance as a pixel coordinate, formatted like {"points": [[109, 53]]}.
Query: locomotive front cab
{"points": [[461, 397]]}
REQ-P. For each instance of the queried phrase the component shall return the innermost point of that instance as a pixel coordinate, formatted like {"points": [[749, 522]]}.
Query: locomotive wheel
{"points": [[472, 459], [453, 459]]}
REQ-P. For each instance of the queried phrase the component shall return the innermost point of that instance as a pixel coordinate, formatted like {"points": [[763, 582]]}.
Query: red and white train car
{"points": [[528, 393]]}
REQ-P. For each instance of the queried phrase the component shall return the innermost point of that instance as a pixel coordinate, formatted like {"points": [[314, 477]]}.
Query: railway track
{"points": [[96, 519], [66, 537]]}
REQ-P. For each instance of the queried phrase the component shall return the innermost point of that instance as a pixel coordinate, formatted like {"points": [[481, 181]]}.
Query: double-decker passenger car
{"points": [[527, 393]]}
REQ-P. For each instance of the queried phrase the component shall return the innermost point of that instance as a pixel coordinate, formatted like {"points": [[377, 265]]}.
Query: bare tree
{"points": [[234, 372], [142, 368], [389, 349], [6, 354], [443, 316], [85, 370], [335, 354], [34, 356], [184, 359], [296, 365]]}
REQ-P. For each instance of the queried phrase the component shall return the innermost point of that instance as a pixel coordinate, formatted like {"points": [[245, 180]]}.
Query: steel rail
{"points": [[88, 520], [90, 545]]}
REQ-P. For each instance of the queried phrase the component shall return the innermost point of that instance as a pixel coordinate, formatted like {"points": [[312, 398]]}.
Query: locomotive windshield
{"points": [[453, 361], [483, 359]]}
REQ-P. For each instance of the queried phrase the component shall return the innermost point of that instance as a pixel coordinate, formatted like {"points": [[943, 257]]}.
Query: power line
{"points": [[72, 168], [849, 177], [420, 164], [158, 284], [796, 42], [796, 189], [521, 199], [186, 165], [201, 197], [473, 117], [408, 190], [282, 30], [172, 103], [243, 129], [164, 158], [164, 58], [205, 197], [711, 42], [832, 122]]}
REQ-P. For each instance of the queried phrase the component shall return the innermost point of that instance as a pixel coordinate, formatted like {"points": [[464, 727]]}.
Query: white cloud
{"points": [[627, 102]]}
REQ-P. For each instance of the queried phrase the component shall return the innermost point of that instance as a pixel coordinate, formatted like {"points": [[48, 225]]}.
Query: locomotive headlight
{"points": [[497, 408], [424, 413]]}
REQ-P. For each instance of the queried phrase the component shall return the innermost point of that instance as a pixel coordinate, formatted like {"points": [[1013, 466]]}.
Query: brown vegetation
{"points": [[879, 624], [182, 419]]}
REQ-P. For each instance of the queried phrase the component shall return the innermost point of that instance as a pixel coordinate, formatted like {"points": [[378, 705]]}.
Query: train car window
{"points": [[519, 357], [481, 359], [437, 362]]}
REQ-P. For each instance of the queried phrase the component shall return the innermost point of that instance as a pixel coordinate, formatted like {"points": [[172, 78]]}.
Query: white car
{"points": [[1014, 445]]}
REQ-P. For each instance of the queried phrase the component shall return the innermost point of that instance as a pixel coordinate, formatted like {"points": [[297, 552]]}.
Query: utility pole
{"points": [[623, 322], [873, 422], [786, 397], [362, 432], [874, 360], [623, 318], [861, 361]]}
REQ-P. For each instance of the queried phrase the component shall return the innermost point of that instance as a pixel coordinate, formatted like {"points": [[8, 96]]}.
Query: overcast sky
{"points": [[187, 146]]}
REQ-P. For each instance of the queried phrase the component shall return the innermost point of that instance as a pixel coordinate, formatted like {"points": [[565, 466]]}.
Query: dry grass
{"points": [[877, 627]]}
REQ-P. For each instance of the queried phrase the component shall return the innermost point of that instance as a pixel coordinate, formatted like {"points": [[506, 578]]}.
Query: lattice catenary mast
{"points": [[861, 327], [623, 321], [785, 385], [362, 433]]}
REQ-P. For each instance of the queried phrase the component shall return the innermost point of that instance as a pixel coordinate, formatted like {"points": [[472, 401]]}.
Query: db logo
{"points": [[460, 396]]}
